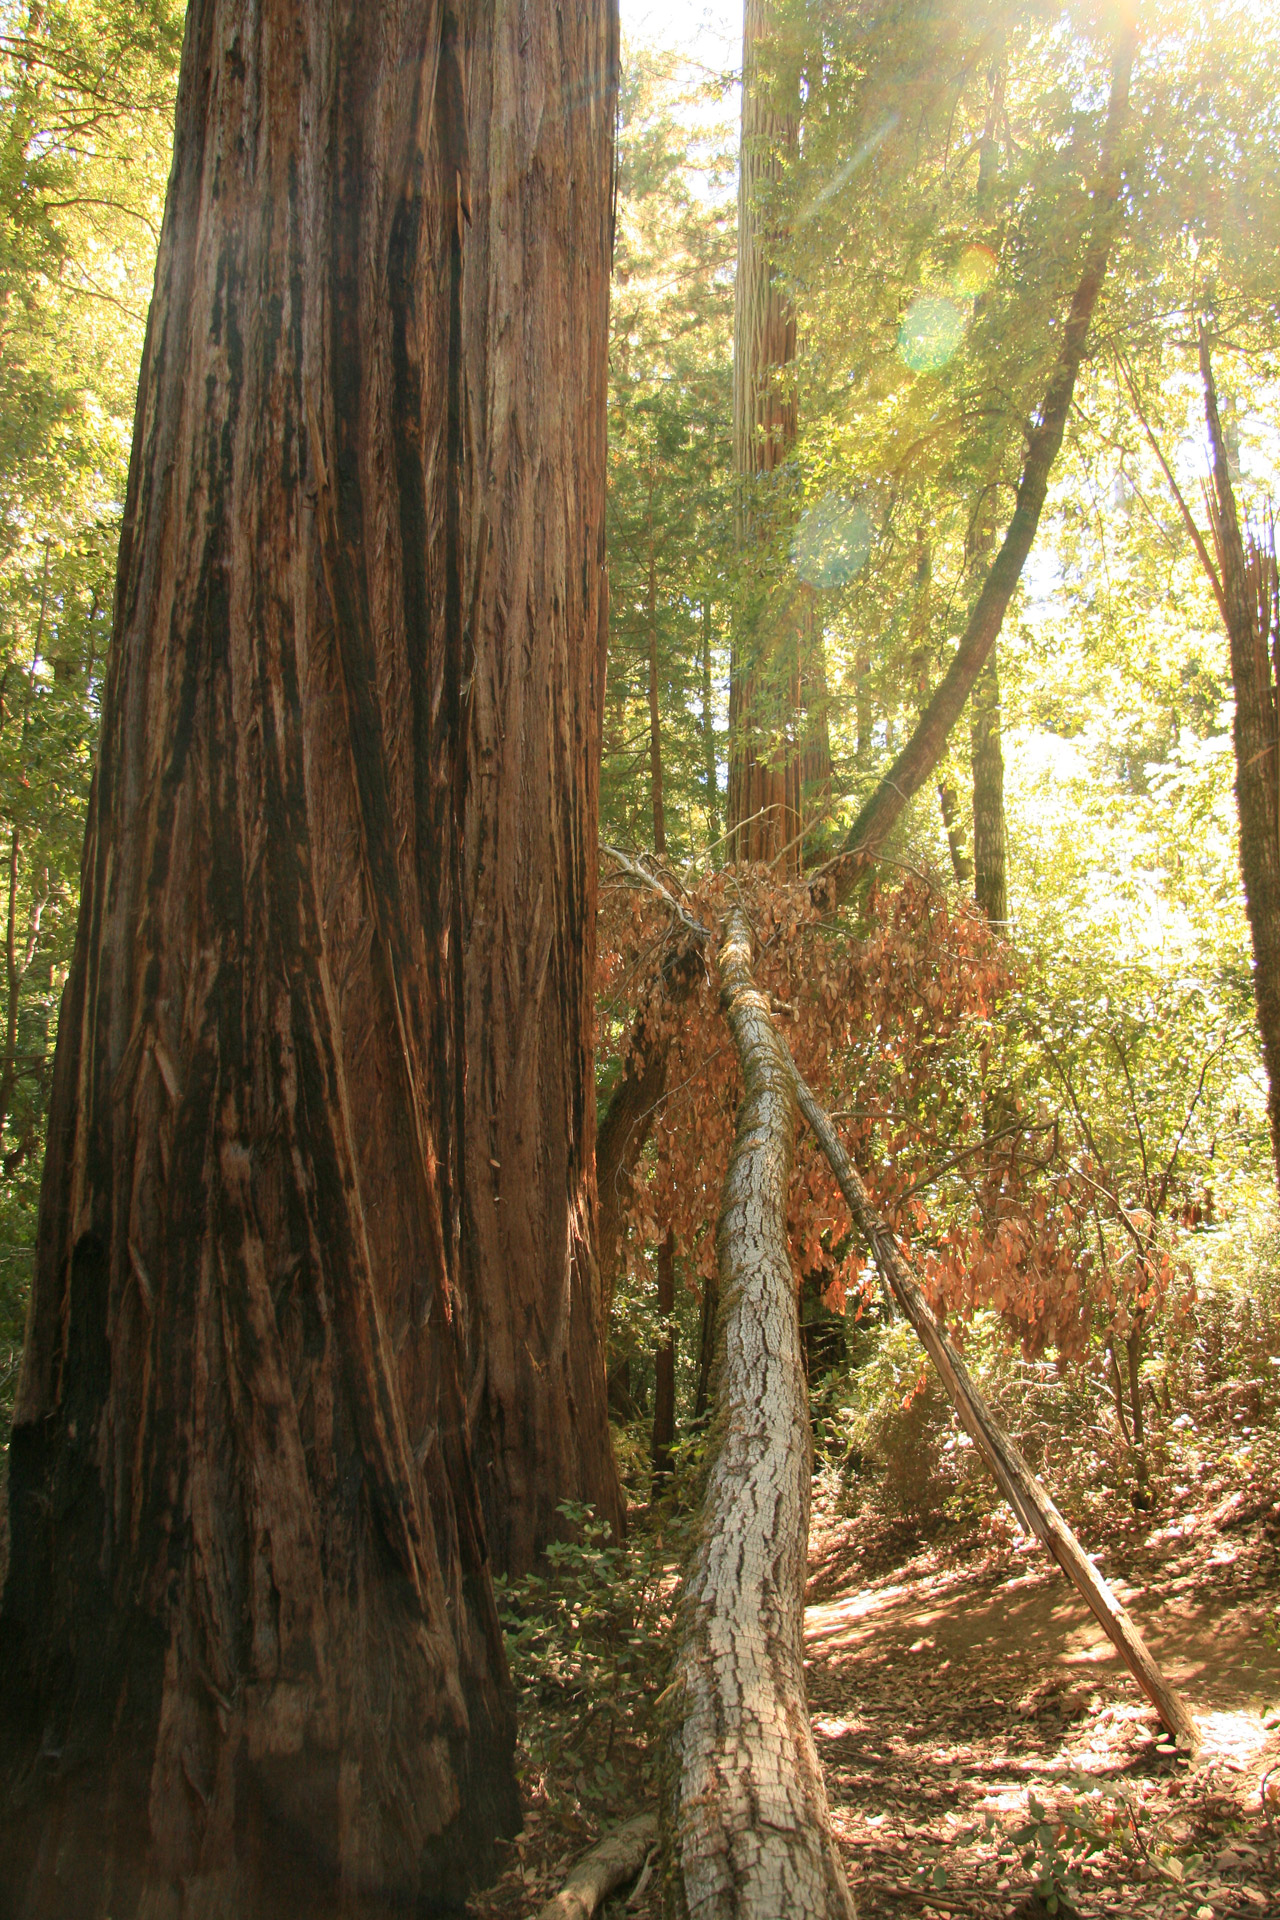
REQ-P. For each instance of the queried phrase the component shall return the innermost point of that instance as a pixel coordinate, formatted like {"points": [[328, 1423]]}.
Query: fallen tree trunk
{"points": [[617, 1859], [746, 1826], [1014, 1477]]}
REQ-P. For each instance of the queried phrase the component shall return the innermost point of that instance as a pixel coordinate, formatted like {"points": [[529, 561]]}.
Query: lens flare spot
{"points": [[931, 331], [975, 270], [831, 542]]}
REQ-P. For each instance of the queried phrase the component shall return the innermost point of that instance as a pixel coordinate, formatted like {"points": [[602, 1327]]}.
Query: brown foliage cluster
{"points": [[890, 1013]]}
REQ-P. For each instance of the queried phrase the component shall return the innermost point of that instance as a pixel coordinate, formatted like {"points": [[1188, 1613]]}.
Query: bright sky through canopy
{"points": [[708, 31]]}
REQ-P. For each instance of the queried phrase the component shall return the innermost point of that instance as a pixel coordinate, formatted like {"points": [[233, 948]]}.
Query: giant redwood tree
{"points": [[779, 752], [249, 1659], [535, 291]]}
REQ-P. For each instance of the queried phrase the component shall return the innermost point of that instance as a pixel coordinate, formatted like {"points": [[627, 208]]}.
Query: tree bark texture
{"points": [[711, 774], [779, 751], [747, 1831], [917, 760], [990, 883], [250, 1657], [543, 83], [1030, 1502], [953, 824], [664, 1368], [655, 715], [609, 1865], [628, 1118], [1250, 601]]}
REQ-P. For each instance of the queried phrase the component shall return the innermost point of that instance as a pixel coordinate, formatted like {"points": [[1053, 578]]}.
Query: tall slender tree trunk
{"points": [[1249, 596], [249, 1657], [655, 712], [776, 668], [543, 84], [664, 1368], [990, 884], [953, 824], [711, 773]]}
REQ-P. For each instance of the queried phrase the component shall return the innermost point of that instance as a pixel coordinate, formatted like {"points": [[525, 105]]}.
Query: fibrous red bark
{"points": [[779, 751], [534, 313], [250, 1657]]}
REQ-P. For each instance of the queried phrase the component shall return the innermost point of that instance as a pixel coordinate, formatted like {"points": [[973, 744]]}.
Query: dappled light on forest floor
{"points": [[956, 1691]]}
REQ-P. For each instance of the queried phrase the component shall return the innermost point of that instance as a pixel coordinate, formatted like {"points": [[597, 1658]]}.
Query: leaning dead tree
{"points": [[747, 1831], [1010, 1471]]}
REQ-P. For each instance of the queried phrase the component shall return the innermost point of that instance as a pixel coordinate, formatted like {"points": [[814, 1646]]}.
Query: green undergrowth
{"points": [[588, 1643]]}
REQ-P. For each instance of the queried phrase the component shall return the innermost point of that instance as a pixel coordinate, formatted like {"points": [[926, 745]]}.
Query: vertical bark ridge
{"points": [[747, 1829], [540, 105], [250, 1653]]}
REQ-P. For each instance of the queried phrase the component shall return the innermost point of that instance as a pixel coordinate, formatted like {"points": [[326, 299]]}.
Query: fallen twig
{"points": [[613, 1861]]}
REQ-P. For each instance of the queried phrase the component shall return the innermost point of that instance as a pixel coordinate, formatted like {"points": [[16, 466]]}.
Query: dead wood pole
{"points": [[1014, 1477], [746, 1825]]}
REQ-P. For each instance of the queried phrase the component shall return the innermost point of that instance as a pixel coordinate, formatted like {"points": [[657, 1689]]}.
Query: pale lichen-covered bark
{"points": [[747, 1826]]}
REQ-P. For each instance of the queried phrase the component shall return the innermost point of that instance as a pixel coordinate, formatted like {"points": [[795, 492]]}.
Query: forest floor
{"points": [[952, 1689]]}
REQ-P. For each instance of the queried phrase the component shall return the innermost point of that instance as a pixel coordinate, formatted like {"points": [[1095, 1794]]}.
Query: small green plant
{"points": [[587, 1644], [1053, 1849]]}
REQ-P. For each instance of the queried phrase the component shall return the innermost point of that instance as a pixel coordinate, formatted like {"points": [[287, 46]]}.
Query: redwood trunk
{"points": [[535, 319], [778, 759], [249, 1658]]}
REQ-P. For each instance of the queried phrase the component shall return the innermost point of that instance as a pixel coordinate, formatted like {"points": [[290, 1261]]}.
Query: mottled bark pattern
{"points": [[747, 1831], [250, 1660], [779, 749], [535, 325]]}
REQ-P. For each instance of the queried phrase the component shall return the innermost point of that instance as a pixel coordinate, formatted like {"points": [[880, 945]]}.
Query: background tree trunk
{"points": [[990, 886], [776, 667], [664, 1369], [535, 327], [711, 774]]}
